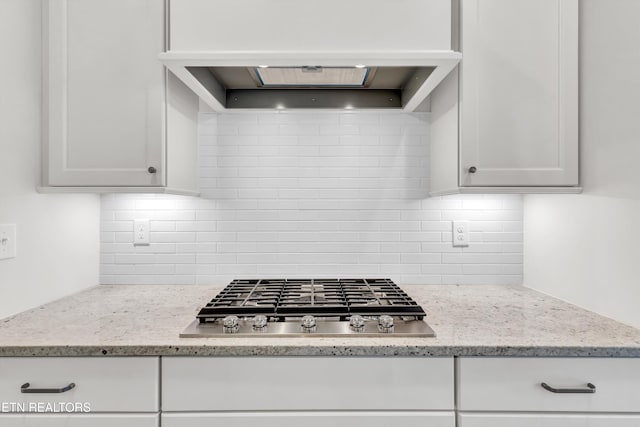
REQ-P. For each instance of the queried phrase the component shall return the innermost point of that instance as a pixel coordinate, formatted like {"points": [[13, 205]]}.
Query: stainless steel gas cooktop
{"points": [[310, 307]]}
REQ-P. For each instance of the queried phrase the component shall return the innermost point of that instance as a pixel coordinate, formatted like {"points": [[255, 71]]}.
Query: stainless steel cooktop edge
{"points": [[411, 328]]}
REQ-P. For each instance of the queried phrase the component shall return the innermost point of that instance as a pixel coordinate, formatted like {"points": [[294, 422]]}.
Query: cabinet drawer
{"points": [[77, 420], [311, 419], [106, 384], [308, 383], [547, 420], [514, 384]]}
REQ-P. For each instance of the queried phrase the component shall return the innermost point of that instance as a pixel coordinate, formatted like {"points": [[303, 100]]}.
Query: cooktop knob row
{"points": [[230, 324], [356, 322], [385, 324], [259, 323], [308, 323]]}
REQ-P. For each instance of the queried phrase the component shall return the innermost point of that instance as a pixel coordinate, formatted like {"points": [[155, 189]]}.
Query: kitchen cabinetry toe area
{"points": [[311, 419]]}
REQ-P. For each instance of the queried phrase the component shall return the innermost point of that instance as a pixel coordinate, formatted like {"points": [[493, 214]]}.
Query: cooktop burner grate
{"points": [[338, 298]]}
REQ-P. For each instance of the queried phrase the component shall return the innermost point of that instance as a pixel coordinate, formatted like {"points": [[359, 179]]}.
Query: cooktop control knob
{"points": [[230, 324], [308, 324], [385, 324], [259, 323], [356, 323]]}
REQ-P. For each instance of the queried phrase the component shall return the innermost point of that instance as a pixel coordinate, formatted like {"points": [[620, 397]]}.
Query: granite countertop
{"points": [[139, 320]]}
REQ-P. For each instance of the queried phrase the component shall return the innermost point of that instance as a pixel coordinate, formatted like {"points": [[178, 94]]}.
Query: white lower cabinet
{"points": [[548, 392], [307, 391], [311, 419], [323, 391], [515, 384], [547, 420], [307, 384], [118, 384], [78, 420], [79, 392]]}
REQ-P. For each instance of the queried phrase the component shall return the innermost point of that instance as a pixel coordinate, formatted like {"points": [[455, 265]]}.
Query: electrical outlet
{"points": [[7, 241], [140, 232], [460, 233]]}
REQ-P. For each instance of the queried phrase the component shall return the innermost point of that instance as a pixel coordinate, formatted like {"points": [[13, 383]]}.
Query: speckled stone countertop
{"points": [[141, 320]]}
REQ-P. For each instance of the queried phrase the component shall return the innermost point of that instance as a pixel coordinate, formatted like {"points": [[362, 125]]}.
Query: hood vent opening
{"points": [[355, 87], [312, 76]]}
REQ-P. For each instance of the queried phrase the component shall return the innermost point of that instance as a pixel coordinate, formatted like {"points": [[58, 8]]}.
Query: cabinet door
{"points": [[79, 420], [547, 420], [519, 93], [103, 93], [515, 384], [310, 419], [110, 384]]}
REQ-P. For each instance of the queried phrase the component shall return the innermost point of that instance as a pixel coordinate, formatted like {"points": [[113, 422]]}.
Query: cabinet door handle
{"points": [[590, 389], [473, 169], [152, 169], [24, 388]]}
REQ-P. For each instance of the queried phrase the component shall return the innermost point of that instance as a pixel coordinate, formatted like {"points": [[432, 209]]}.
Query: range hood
{"points": [[290, 80], [247, 54]]}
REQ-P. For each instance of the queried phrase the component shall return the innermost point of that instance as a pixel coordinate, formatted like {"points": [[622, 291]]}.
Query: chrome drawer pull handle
{"points": [[24, 388], [591, 389]]}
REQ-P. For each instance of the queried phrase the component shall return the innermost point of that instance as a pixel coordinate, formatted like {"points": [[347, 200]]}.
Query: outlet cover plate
{"points": [[141, 232], [461, 233]]}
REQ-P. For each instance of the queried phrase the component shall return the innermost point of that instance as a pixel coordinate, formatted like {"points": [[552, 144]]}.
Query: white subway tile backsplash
{"points": [[157, 248], [299, 129], [175, 258], [135, 258], [421, 258], [312, 194]]}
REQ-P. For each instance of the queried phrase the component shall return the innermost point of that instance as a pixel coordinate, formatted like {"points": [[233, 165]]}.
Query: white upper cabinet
{"points": [[519, 92], [105, 95], [516, 99], [310, 25]]}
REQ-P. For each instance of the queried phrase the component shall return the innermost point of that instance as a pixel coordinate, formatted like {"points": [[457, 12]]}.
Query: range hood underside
{"points": [[241, 87], [233, 80]]}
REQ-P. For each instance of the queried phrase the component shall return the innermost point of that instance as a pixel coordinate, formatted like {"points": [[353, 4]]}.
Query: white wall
{"points": [[58, 243], [584, 248], [313, 194]]}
